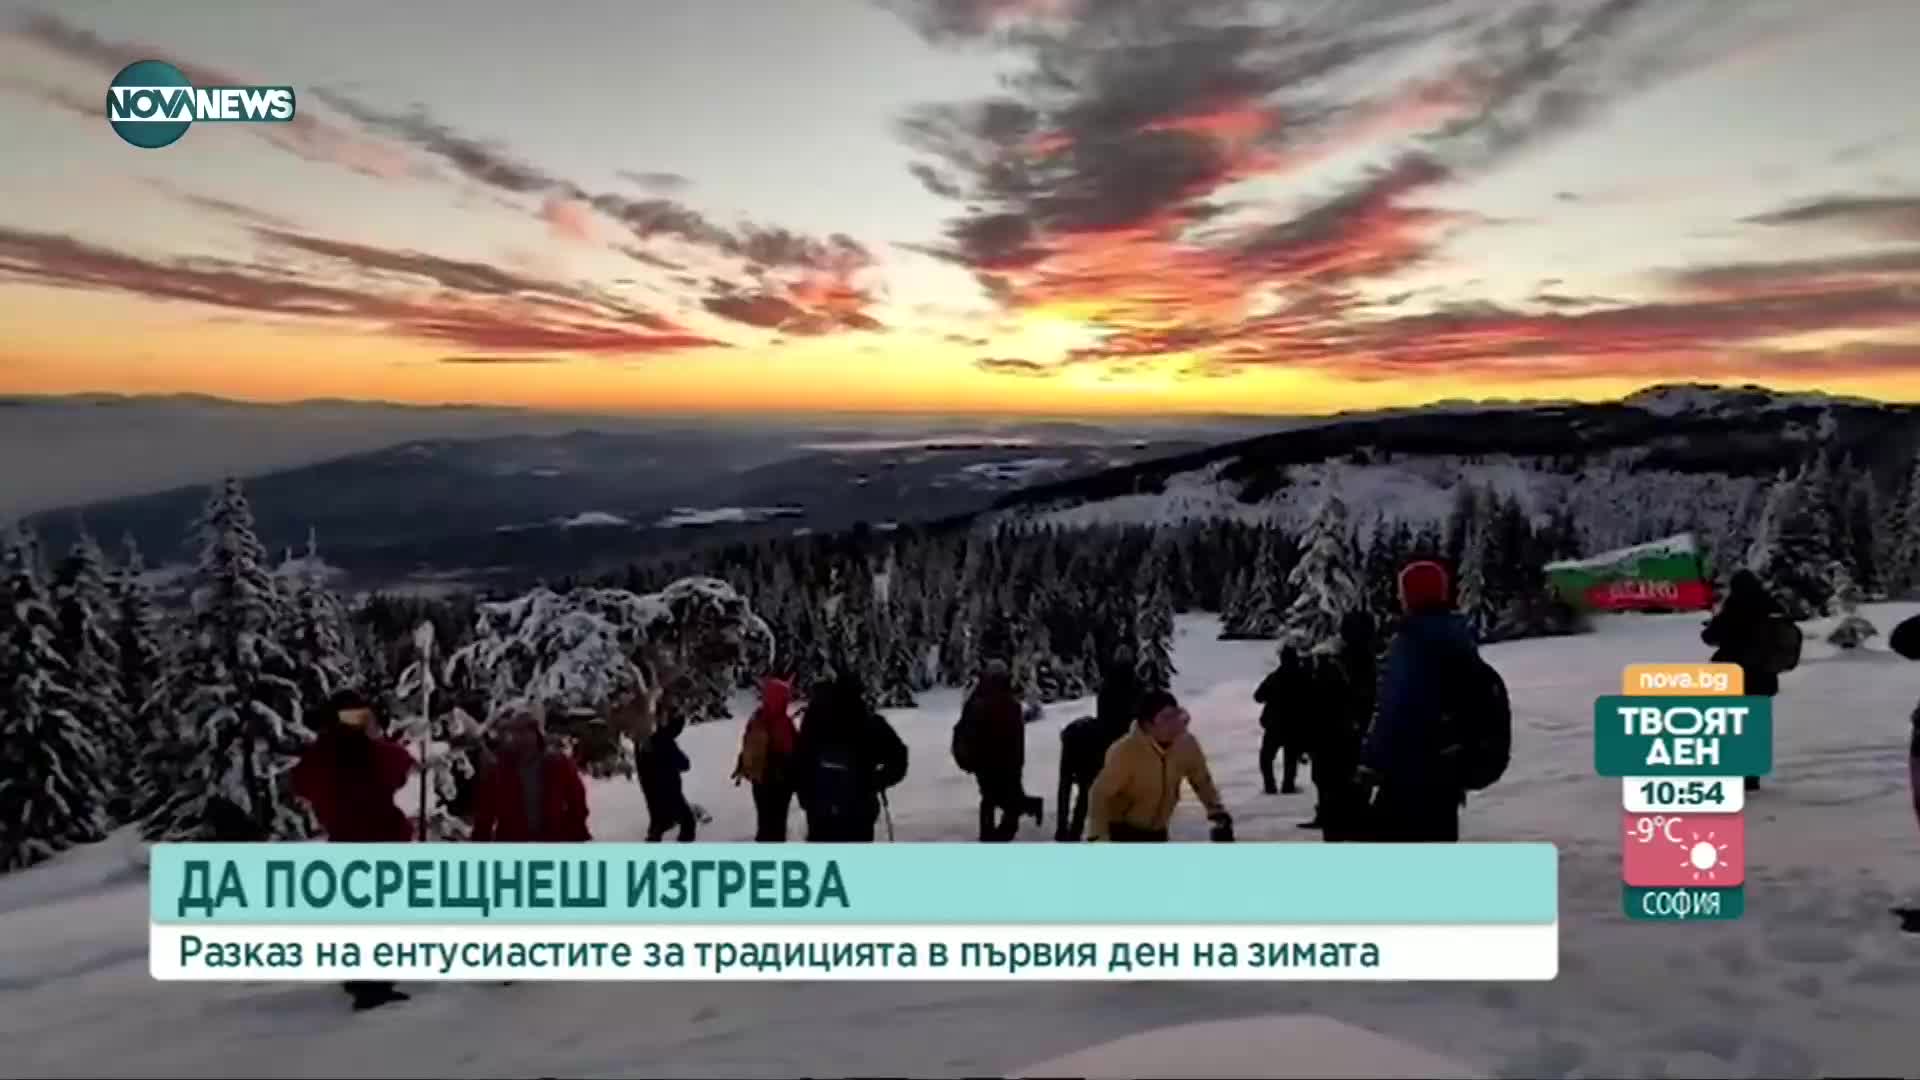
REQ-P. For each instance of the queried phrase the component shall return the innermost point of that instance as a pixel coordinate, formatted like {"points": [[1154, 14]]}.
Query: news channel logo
{"points": [[151, 104]]}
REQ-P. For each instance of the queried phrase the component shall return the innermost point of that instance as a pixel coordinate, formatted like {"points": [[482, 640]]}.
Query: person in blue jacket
{"points": [[1413, 796]]}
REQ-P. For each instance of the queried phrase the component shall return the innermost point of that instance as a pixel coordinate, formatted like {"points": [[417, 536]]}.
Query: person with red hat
{"points": [[1405, 759], [766, 747]]}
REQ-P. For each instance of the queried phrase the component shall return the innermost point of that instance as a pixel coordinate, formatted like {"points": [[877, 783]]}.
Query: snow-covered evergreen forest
{"points": [[184, 718]]}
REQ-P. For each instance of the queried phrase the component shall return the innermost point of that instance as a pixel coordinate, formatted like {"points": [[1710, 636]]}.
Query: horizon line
{"points": [[18, 398]]}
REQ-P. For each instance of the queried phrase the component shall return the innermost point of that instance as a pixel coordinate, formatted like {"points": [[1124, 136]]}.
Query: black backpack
{"points": [[966, 738], [837, 785], [1482, 721]]}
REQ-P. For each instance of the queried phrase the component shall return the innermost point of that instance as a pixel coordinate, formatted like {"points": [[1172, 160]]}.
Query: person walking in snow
{"points": [[1283, 695], [1744, 632], [1084, 742], [529, 793], [1134, 796], [349, 776], [1334, 731], [661, 766], [990, 741], [845, 757], [766, 752], [1409, 780]]}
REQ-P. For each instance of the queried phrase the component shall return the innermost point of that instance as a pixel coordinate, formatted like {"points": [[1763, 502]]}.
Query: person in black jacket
{"points": [[1084, 742], [845, 757], [1280, 696], [1348, 683], [661, 764], [1743, 633]]}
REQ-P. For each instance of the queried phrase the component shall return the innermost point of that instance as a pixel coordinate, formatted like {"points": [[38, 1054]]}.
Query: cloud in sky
{"points": [[1883, 215], [1200, 187], [1013, 366], [664, 183], [1104, 181], [471, 305], [815, 275]]}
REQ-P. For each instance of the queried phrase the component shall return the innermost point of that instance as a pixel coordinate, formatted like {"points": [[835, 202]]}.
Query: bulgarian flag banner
{"points": [[1665, 575]]}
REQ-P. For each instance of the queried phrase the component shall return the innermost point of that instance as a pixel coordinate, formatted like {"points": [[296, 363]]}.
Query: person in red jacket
{"points": [[349, 776], [766, 749], [529, 793]]}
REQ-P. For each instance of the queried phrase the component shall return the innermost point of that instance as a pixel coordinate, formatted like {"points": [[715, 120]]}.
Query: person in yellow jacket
{"points": [[1133, 797]]}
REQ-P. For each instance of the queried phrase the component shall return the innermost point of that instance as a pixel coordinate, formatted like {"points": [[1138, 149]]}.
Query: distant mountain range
{"points": [[571, 495], [502, 509]]}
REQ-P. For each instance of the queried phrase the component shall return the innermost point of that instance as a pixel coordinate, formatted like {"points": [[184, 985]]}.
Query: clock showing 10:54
{"points": [[1702, 795]]}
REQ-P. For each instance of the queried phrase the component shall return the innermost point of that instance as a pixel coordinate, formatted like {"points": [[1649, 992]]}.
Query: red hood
{"points": [[775, 695]]}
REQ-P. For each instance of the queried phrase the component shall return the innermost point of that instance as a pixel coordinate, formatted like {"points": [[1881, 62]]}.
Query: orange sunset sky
{"points": [[1017, 206]]}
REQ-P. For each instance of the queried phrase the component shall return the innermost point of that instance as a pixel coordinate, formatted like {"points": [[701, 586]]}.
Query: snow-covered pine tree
{"points": [[1774, 506], [233, 696], [1802, 565], [578, 652], [1894, 551], [1325, 582], [1266, 595], [1464, 514], [318, 639], [84, 610], [1475, 592], [1902, 535], [1510, 567], [1386, 553], [50, 762], [1235, 597], [1154, 653], [897, 670], [141, 647], [1862, 529], [958, 660]]}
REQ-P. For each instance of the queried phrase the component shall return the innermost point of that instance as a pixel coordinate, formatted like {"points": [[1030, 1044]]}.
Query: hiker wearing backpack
{"points": [[1333, 736], [766, 751], [844, 759], [1747, 630], [1084, 742], [1134, 796], [990, 741], [1284, 695], [1442, 726]]}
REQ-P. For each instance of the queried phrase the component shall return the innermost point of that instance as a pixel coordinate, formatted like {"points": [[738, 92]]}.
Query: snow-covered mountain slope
{"points": [[1679, 456], [1814, 980]]}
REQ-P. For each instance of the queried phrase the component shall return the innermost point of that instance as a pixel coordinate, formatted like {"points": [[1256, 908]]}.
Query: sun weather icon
{"points": [[1706, 857]]}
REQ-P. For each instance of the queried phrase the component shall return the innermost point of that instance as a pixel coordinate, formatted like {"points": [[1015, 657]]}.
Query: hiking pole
{"points": [[886, 812]]}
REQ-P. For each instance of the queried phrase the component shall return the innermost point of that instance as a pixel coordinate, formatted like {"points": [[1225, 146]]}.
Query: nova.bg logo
{"points": [[151, 104]]}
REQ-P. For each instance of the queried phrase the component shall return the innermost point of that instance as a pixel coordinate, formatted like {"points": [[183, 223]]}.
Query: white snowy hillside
{"points": [[1815, 980], [1667, 458]]}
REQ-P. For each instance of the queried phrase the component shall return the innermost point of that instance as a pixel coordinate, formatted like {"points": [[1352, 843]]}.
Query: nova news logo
{"points": [[150, 104]]}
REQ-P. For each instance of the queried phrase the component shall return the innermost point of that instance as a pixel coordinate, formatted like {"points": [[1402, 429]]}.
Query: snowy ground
{"points": [[1814, 980]]}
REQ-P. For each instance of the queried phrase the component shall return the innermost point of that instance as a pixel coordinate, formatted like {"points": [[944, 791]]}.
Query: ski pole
{"points": [[886, 811]]}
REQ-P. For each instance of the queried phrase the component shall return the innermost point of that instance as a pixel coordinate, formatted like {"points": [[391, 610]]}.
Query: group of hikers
{"points": [[1395, 741], [1372, 741]]}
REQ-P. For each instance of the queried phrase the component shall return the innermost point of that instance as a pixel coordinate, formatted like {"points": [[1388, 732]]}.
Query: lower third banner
{"points": [[908, 912]]}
